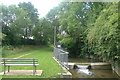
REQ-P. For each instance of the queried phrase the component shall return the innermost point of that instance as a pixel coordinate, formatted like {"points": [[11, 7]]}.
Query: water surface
{"points": [[85, 73]]}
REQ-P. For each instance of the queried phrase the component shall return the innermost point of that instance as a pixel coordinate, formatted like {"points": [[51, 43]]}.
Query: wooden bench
{"points": [[20, 62]]}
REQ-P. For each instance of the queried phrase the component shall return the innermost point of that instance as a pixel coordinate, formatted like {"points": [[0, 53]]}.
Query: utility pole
{"points": [[55, 36]]}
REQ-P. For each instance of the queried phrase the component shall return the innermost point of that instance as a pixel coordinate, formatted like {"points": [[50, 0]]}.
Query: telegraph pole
{"points": [[55, 36]]}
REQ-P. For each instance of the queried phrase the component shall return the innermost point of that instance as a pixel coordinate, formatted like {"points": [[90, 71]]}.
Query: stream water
{"points": [[86, 73]]}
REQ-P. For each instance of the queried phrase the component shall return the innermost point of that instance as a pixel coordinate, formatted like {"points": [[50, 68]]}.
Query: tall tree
{"points": [[32, 14], [43, 32]]}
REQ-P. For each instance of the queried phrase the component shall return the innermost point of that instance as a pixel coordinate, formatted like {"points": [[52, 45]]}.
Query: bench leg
{"points": [[4, 69], [34, 70], [8, 68]]}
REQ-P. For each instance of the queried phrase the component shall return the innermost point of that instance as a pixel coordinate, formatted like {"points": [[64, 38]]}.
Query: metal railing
{"points": [[61, 56]]}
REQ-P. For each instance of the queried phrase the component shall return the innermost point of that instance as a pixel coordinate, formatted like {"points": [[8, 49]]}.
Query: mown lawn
{"points": [[44, 54]]}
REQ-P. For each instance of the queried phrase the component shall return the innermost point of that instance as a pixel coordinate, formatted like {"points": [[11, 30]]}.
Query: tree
{"points": [[7, 19], [17, 22], [104, 37], [32, 14], [43, 32], [72, 23]]}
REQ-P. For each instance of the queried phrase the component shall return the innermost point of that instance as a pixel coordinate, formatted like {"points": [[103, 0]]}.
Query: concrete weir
{"points": [[93, 66], [102, 66]]}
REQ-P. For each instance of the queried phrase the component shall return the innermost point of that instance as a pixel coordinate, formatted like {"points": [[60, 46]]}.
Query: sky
{"points": [[43, 6]]}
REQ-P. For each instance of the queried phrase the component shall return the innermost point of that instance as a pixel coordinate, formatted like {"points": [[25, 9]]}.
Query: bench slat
{"points": [[21, 61], [20, 64], [16, 62], [18, 59]]}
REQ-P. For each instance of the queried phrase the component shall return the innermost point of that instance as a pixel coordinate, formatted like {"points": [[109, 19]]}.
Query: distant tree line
{"points": [[21, 26]]}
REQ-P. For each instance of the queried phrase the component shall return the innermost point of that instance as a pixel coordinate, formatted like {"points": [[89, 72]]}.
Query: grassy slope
{"points": [[47, 64]]}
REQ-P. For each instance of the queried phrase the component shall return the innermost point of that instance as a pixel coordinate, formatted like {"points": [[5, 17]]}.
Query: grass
{"points": [[10, 52], [44, 54]]}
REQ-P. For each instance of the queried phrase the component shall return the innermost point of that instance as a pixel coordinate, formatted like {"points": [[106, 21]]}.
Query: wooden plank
{"points": [[18, 59], [21, 61], [20, 64]]}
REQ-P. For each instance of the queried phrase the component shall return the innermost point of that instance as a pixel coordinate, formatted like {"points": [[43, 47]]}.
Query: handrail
{"points": [[62, 51]]}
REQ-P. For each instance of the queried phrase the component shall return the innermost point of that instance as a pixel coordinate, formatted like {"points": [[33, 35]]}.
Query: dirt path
{"points": [[22, 55]]}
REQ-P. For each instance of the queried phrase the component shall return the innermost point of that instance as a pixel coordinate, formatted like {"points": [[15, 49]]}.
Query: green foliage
{"points": [[104, 35], [7, 50], [71, 27], [43, 32], [67, 41], [88, 29], [21, 22]]}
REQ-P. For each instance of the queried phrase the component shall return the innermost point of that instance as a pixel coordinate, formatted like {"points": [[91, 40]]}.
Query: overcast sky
{"points": [[43, 6]]}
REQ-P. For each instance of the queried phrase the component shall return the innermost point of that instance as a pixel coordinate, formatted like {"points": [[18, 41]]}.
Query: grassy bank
{"points": [[44, 54]]}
